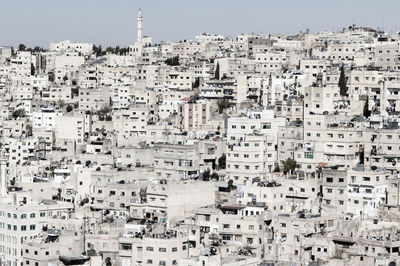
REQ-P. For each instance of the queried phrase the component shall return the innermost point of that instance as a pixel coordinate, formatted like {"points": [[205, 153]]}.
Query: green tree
{"points": [[223, 104], [32, 69], [61, 104], [289, 165], [97, 50], [124, 51], [51, 76], [366, 111], [104, 110], [222, 162], [18, 113], [215, 176], [75, 91], [29, 130], [110, 50], [216, 73], [21, 47], [69, 108], [342, 82], [172, 61], [196, 83], [38, 49], [206, 175]]}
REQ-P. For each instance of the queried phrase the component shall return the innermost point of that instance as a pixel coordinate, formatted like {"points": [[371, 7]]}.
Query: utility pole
{"points": [[188, 236], [84, 234], [188, 244]]}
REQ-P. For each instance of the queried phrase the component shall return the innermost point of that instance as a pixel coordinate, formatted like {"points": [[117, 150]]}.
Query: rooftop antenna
{"points": [[3, 166]]}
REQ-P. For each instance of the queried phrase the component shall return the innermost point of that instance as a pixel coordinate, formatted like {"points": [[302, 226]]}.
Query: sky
{"points": [[113, 22]]}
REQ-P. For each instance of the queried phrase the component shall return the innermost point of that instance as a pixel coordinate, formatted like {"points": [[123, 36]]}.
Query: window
{"points": [[149, 261], [175, 249], [149, 248], [23, 216], [162, 250], [162, 262], [308, 155], [42, 214], [126, 246], [33, 215], [23, 227], [32, 227], [266, 126]]}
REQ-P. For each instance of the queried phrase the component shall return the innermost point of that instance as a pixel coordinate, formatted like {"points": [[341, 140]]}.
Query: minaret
{"points": [[139, 27], [3, 168]]}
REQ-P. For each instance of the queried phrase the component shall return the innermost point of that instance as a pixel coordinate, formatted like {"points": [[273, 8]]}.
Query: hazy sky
{"points": [[112, 22]]}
